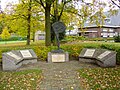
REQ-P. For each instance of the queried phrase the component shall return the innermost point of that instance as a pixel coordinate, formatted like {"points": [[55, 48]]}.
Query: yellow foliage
{"points": [[5, 34]]}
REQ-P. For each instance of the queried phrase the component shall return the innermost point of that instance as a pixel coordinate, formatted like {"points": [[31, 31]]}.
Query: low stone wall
{"points": [[15, 58], [102, 57]]}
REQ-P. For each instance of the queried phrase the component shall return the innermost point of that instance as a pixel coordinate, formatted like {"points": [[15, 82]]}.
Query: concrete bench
{"points": [[15, 58], [102, 57]]}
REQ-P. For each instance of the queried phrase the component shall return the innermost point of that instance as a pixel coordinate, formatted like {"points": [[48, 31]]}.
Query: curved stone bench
{"points": [[102, 57], [15, 58]]}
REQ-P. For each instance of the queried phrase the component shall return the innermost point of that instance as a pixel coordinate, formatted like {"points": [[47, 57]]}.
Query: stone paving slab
{"points": [[59, 76]]}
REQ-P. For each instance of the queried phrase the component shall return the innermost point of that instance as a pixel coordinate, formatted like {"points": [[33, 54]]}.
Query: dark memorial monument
{"points": [[58, 55]]}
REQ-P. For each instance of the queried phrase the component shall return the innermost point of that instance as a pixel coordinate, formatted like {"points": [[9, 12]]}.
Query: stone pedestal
{"points": [[58, 57]]}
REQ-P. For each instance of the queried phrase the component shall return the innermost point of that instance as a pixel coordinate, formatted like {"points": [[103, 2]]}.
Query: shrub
{"points": [[117, 38], [73, 38], [41, 52], [73, 50], [14, 39]]}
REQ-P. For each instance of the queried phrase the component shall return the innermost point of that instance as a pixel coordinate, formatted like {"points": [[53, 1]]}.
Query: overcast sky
{"points": [[4, 2]]}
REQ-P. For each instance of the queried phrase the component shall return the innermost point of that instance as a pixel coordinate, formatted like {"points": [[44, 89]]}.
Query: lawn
{"points": [[100, 78], [95, 79], [20, 80], [7, 42]]}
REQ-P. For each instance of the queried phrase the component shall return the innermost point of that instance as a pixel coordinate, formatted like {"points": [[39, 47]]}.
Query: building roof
{"points": [[102, 26], [110, 22]]}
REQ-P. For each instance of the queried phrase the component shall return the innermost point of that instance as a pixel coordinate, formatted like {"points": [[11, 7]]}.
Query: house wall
{"points": [[118, 30], [39, 35], [99, 32]]}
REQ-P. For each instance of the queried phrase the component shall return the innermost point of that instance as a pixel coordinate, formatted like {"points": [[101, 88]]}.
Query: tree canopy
{"points": [[28, 16]]}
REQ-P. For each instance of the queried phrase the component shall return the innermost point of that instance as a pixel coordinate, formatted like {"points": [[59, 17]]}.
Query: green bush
{"points": [[73, 38], [117, 38], [73, 49], [14, 39], [101, 39], [41, 52]]}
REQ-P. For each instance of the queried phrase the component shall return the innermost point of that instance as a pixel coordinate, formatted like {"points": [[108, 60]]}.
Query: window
{"points": [[105, 30], [105, 34], [111, 30], [111, 34]]}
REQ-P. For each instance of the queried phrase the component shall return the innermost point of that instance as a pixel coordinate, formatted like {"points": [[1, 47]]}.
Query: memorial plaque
{"points": [[25, 53], [104, 54], [58, 57], [13, 55], [89, 52]]}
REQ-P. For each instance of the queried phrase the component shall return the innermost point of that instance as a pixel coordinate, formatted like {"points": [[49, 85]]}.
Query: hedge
{"points": [[73, 50], [14, 39]]}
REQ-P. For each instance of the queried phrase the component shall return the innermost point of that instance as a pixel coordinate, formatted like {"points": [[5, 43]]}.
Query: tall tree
{"points": [[25, 19], [57, 10], [116, 2], [58, 6], [46, 4], [5, 34]]}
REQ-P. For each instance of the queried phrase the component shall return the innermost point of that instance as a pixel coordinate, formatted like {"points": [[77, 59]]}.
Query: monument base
{"points": [[58, 57]]}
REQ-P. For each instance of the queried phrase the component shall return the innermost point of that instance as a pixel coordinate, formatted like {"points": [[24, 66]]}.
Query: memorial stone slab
{"points": [[11, 61], [15, 58], [104, 54], [58, 57], [87, 53], [107, 59], [28, 56], [26, 53], [13, 55], [102, 57]]}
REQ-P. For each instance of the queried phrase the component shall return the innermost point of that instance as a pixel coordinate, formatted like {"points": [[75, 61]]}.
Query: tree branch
{"points": [[61, 12], [41, 3], [115, 3], [63, 8]]}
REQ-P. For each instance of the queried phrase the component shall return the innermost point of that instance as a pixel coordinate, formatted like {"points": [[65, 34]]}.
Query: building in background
{"points": [[39, 35], [111, 28]]}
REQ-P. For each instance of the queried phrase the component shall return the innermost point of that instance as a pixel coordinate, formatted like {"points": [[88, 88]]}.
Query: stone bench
{"points": [[102, 57], [15, 58]]}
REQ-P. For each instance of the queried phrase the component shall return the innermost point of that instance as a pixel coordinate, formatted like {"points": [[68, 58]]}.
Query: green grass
{"points": [[100, 78], [20, 43], [21, 80], [7, 42]]}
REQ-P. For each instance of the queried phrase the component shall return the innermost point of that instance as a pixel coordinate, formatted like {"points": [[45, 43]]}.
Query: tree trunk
{"points": [[47, 25], [28, 21], [56, 19], [28, 31], [33, 36]]}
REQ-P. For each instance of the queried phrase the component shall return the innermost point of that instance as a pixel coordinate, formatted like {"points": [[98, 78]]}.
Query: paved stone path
{"points": [[59, 76]]}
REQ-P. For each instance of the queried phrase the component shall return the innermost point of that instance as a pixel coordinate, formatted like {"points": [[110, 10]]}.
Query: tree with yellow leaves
{"points": [[5, 34]]}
